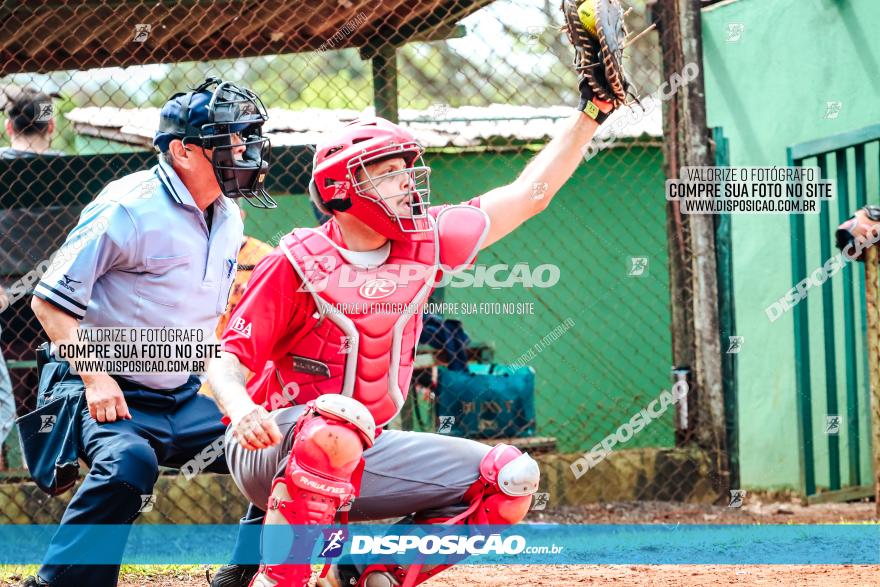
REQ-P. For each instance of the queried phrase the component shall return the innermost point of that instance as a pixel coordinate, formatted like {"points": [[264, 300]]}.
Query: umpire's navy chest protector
{"points": [[210, 119]]}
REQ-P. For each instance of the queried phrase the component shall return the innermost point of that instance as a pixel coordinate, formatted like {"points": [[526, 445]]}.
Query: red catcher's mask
{"points": [[338, 185]]}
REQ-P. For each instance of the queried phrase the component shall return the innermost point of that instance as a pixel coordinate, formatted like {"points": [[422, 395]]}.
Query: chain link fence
{"points": [[559, 338]]}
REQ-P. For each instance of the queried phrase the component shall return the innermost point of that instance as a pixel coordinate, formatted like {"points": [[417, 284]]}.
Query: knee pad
{"points": [[503, 492], [329, 441]]}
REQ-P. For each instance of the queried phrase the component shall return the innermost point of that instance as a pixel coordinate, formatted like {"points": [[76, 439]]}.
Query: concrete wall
{"points": [[768, 90], [627, 475]]}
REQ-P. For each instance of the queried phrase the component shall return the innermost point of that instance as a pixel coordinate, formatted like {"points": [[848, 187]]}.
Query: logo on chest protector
{"points": [[378, 288]]}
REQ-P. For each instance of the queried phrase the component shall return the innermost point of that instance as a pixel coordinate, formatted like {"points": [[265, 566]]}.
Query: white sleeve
{"points": [[99, 242]]}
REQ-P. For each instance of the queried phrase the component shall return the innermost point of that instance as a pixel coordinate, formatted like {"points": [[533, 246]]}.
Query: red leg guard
{"points": [[501, 495], [322, 474]]}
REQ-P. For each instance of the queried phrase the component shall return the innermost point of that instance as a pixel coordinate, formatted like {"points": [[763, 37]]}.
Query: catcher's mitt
{"points": [[597, 31]]}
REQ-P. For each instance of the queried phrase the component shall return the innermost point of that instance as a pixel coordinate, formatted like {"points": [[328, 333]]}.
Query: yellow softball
{"points": [[587, 15]]}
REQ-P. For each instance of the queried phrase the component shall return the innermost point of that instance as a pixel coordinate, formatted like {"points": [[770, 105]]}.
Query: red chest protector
{"points": [[362, 340]]}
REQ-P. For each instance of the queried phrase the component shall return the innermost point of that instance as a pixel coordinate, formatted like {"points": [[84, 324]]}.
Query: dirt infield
{"points": [[667, 575], [617, 575], [754, 511]]}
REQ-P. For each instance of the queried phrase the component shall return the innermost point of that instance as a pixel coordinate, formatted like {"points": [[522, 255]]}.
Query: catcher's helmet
{"points": [[335, 186], [209, 118]]}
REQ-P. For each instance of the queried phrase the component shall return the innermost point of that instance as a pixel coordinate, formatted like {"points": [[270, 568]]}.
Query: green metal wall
{"points": [[769, 90]]}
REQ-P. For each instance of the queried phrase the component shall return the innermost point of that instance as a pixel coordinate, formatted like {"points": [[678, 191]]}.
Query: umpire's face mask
{"points": [[236, 120]]}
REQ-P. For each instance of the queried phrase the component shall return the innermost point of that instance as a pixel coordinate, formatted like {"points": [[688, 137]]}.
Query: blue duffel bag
{"points": [[486, 401], [50, 435]]}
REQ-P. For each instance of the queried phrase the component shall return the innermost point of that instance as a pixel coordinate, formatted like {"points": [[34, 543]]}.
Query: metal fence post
{"points": [[872, 296]]}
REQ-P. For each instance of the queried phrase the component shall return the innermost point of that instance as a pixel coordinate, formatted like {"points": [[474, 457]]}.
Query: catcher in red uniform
{"points": [[329, 324]]}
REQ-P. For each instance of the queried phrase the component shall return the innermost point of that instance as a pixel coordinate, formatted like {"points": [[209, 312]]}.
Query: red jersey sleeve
{"points": [[271, 312]]}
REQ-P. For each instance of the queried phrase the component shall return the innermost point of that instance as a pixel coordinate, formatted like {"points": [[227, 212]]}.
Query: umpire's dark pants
{"points": [[167, 428]]}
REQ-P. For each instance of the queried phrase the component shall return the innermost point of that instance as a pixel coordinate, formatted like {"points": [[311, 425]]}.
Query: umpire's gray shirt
{"points": [[141, 256]]}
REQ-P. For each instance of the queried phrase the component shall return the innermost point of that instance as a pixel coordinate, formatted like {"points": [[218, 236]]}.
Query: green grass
{"points": [[13, 574]]}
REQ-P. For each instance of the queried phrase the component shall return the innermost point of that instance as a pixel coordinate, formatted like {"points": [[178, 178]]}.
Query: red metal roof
{"points": [[52, 35]]}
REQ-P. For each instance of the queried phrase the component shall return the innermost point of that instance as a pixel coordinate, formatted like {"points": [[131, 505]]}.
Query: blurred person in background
{"points": [[30, 123], [7, 400]]}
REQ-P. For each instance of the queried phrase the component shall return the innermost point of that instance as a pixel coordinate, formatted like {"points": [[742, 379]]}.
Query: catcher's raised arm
{"points": [[596, 30]]}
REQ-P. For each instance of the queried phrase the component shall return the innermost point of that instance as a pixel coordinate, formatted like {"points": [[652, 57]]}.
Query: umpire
{"points": [[155, 249]]}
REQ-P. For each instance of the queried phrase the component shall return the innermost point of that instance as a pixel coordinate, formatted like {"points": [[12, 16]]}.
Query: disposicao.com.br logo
{"points": [[462, 545]]}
